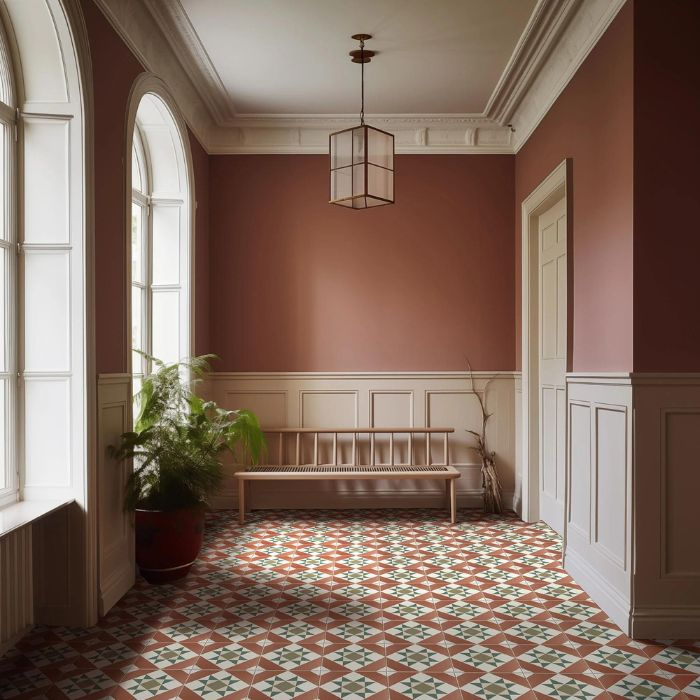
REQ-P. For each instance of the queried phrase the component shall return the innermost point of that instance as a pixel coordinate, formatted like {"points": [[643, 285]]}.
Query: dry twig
{"points": [[489, 476]]}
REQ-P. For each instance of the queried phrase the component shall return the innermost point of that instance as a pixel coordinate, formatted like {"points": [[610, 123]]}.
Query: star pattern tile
{"points": [[364, 604]]}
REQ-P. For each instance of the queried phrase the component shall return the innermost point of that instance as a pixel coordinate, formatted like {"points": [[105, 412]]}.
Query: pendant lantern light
{"points": [[362, 157]]}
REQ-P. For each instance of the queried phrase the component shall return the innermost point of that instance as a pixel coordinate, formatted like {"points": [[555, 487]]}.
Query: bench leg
{"points": [[453, 500], [241, 501]]}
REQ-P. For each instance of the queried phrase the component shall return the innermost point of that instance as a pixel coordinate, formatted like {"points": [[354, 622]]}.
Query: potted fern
{"points": [[176, 447]]}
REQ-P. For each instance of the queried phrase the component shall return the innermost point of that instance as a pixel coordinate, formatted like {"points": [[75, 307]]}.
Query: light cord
{"points": [[362, 63]]}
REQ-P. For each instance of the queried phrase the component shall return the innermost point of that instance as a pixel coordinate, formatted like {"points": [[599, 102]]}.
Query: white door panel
{"points": [[552, 362]]}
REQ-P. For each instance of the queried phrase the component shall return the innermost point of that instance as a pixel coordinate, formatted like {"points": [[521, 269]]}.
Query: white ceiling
{"points": [[291, 56]]}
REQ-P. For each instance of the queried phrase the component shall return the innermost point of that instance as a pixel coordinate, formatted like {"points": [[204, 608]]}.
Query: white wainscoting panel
{"points": [[597, 550], [369, 399], [116, 535], [16, 586], [666, 488]]}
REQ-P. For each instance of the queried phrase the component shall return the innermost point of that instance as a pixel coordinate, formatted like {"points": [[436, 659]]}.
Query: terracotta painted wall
{"points": [[591, 122], [299, 285], [200, 163], [114, 70], [667, 189]]}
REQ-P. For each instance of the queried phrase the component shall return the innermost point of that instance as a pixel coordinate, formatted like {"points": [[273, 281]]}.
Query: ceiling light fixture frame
{"points": [[361, 157]]}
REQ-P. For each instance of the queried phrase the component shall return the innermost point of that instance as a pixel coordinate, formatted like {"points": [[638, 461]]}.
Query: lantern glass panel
{"points": [[341, 183], [358, 145], [380, 148], [380, 182], [341, 149], [359, 186]]}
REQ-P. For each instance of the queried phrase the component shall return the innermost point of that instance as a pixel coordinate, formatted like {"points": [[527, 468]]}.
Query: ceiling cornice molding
{"points": [[413, 133], [584, 28], [186, 44], [137, 28], [544, 29], [557, 39]]}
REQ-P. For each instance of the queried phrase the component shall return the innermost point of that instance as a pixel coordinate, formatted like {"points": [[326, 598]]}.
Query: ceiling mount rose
{"points": [[362, 55]]}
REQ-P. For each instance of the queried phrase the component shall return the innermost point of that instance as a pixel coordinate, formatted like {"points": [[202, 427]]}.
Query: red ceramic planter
{"points": [[168, 542]]}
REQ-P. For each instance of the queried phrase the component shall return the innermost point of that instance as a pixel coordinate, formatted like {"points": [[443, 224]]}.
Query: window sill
{"points": [[17, 515]]}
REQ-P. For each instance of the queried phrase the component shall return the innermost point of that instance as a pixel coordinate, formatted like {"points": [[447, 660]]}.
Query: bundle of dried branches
{"points": [[489, 476]]}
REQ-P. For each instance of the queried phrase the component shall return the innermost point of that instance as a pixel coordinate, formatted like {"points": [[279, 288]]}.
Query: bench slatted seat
{"points": [[299, 470]]}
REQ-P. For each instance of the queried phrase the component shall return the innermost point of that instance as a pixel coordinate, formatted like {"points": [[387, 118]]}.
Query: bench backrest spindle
{"points": [[328, 451]]}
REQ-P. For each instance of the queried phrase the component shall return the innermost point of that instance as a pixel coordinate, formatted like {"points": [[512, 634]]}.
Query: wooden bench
{"points": [[283, 470]]}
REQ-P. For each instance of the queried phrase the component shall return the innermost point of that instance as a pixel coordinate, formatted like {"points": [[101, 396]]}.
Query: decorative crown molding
{"points": [[556, 40], [194, 58], [142, 34], [585, 25], [543, 31]]}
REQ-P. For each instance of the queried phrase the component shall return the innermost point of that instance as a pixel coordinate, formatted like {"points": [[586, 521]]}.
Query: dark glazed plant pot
{"points": [[168, 542]]}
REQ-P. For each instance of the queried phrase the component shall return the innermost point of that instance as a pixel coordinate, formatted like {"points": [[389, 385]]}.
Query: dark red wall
{"points": [[667, 187], [592, 123], [300, 285]]}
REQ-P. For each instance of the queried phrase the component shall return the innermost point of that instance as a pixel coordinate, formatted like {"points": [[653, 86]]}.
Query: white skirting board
{"points": [[375, 399]]}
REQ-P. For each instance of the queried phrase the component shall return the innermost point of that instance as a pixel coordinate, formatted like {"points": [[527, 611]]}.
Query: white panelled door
{"points": [[552, 363]]}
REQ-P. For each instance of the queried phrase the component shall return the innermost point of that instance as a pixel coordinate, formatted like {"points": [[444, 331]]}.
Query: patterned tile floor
{"points": [[357, 605]]}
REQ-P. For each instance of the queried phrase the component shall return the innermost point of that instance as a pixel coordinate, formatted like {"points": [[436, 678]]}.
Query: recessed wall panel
{"points": [[328, 409], [390, 409], [681, 478], [611, 480], [269, 406], [548, 316], [580, 467], [548, 439], [561, 444], [459, 410]]}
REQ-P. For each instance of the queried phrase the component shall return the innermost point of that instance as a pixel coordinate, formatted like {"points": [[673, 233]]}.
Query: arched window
{"points": [[160, 237], [44, 248]]}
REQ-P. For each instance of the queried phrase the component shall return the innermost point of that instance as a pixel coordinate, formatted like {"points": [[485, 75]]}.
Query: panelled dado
{"points": [[116, 568], [377, 400], [598, 500], [666, 486], [632, 477]]}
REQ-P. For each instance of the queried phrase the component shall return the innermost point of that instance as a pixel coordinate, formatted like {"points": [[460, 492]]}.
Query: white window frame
{"points": [[149, 87], [141, 366], [10, 484]]}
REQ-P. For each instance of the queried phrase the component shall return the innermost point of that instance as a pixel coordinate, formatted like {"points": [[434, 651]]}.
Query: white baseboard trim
{"points": [[114, 590], [278, 500], [671, 622], [600, 590]]}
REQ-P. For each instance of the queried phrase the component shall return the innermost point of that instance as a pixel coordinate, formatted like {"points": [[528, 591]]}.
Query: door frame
{"points": [[555, 186]]}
